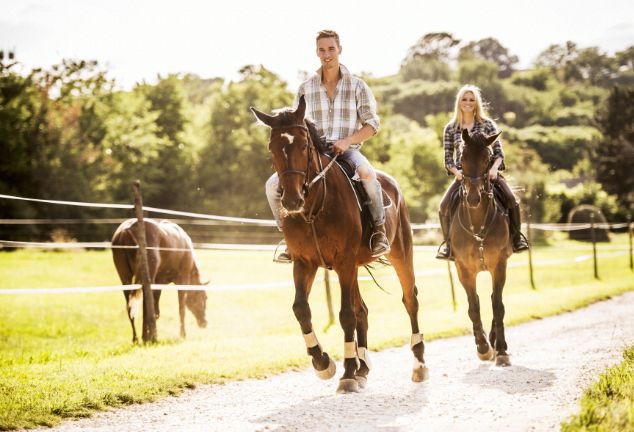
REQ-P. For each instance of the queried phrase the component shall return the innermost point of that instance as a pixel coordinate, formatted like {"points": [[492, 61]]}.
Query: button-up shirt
{"points": [[453, 143], [352, 106]]}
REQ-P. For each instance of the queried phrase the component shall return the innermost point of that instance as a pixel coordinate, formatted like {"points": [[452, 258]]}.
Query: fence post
{"points": [[629, 230], [453, 290], [149, 317], [331, 314], [594, 246], [530, 246]]}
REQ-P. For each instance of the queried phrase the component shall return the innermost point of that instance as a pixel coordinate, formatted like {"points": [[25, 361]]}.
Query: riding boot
{"points": [[444, 251], [378, 242], [518, 240]]}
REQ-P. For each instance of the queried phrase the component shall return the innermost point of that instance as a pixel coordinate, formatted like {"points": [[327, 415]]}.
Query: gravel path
{"points": [[554, 359]]}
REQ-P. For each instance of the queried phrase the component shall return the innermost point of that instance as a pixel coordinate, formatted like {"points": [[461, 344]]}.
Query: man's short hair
{"points": [[323, 34]]}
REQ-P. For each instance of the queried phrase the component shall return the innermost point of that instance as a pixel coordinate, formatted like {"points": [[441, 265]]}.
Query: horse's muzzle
{"points": [[293, 205]]}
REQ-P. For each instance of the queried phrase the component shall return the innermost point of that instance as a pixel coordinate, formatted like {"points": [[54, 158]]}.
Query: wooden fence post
{"points": [[453, 290], [530, 246], [149, 317], [629, 231], [594, 246], [331, 314]]}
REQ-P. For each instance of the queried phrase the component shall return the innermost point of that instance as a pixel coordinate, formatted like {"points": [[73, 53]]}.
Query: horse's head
{"points": [[196, 302], [475, 163], [291, 149]]}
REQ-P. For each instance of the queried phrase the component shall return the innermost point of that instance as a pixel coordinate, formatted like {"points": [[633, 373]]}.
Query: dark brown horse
{"points": [[165, 266], [323, 227], [480, 240]]}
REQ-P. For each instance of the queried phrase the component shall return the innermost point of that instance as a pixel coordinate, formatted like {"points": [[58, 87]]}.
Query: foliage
{"points": [[615, 154], [609, 403], [490, 49]]}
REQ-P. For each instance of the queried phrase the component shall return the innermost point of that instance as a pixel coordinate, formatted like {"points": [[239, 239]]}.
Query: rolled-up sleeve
{"points": [[490, 128], [366, 106]]}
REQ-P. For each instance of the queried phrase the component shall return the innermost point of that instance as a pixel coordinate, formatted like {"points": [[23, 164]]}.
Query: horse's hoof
{"points": [[327, 373], [502, 360], [420, 374], [361, 380], [347, 385], [489, 355]]}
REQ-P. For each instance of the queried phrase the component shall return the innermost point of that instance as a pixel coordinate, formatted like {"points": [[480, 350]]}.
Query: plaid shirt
{"points": [[352, 106], [453, 143]]}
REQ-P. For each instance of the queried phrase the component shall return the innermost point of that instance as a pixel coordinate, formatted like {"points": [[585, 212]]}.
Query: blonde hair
{"points": [[479, 111]]}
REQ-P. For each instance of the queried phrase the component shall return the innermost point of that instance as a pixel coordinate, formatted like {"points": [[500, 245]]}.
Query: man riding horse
{"points": [[343, 110], [470, 114]]}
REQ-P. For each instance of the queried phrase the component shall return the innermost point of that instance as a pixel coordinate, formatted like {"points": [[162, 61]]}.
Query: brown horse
{"points": [[323, 227], [480, 240]]}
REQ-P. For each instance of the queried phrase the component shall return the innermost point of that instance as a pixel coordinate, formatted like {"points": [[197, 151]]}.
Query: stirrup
{"points": [[284, 257], [381, 247], [444, 252], [521, 244]]}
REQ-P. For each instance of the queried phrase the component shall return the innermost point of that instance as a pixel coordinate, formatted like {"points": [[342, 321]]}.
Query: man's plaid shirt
{"points": [[452, 142], [353, 106]]}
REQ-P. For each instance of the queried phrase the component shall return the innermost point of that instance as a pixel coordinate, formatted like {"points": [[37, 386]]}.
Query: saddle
{"points": [[361, 195]]}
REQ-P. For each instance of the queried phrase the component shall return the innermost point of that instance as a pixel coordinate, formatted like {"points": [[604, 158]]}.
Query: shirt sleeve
{"points": [[448, 144], [366, 106], [490, 128]]}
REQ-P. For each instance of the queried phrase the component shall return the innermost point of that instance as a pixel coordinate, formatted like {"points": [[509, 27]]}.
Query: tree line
{"points": [[67, 132]]}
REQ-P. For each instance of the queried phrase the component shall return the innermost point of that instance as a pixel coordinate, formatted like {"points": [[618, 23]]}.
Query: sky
{"points": [[136, 40]]}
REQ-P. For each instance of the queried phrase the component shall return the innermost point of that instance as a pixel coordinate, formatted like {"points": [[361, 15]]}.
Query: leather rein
{"points": [[309, 183], [480, 236]]}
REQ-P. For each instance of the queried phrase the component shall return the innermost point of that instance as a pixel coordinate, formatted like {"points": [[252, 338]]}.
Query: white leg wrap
{"points": [[310, 339], [416, 338], [418, 364], [350, 349], [364, 355]]}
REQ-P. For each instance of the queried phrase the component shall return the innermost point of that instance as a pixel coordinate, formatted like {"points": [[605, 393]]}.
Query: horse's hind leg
{"points": [[347, 317], [497, 326], [468, 280], [361, 313], [304, 274], [403, 262]]}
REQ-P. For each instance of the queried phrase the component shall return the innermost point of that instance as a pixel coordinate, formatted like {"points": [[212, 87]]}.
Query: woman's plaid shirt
{"points": [[353, 106], [453, 143]]}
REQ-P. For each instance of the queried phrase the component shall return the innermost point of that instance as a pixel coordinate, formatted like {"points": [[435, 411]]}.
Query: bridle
{"points": [[485, 187], [322, 171], [320, 175]]}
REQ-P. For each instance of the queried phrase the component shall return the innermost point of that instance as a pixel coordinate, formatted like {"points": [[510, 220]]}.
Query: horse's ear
{"points": [[301, 109], [491, 139], [264, 118], [465, 135]]}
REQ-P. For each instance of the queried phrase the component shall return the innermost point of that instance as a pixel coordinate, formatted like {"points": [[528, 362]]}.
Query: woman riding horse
{"points": [[469, 114]]}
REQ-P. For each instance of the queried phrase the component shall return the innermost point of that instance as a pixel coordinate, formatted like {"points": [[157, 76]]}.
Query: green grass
{"points": [[68, 355], [608, 405]]}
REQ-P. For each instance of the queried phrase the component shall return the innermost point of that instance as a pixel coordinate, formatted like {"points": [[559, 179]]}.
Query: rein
{"points": [[480, 236], [321, 175]]}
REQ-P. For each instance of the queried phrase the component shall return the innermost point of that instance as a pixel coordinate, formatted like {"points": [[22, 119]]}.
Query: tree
{"points": [[615, 155], [436, 46], [492, 50]]}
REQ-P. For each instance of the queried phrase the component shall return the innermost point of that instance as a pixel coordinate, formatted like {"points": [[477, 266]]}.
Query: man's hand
{"points": [[340, 146]]}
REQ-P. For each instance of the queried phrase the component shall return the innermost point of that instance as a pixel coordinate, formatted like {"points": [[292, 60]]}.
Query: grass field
{"points": [[608, 405], [67, 355]]}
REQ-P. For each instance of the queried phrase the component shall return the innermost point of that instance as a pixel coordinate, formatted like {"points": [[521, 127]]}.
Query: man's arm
{"points": [[367, 131]]}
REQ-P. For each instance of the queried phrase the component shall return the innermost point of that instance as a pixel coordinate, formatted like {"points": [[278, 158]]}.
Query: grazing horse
{"points": [[323, 227], [165, 266], [479, 235]]}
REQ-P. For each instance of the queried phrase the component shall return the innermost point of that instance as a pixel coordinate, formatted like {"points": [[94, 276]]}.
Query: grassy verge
{"points": [[608, 405], [68, 355]]}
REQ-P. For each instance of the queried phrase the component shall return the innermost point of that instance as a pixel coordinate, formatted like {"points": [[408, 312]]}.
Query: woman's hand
{"points": [[458, 175], [493, 174]]}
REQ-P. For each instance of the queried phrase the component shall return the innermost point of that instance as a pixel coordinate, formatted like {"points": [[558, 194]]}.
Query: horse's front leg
{"points": [[468, 280], [304, 274], [348, 280], [497, 326]]}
